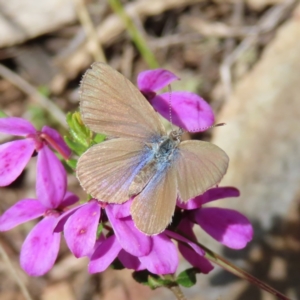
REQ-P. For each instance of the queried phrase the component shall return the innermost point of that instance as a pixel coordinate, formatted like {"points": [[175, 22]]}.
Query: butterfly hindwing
{"points": [[153, 208], [199, 166]]}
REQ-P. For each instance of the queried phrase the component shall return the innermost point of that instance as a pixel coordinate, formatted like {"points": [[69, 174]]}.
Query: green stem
{"points": [[225, 264], [136, 36]]}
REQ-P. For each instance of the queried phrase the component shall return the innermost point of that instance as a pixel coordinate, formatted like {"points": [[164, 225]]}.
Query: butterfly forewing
{"points": [[106, 170], [199, 166], [153, 208], [111, 104]]}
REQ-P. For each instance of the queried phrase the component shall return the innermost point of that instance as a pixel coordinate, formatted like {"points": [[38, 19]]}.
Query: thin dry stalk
{"points": [[30, 90], [110, 29], [15, 274], [268, 22], [93, 45]]}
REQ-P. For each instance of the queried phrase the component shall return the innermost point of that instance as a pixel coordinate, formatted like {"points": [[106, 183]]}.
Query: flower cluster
{"points": [[106, 232]]}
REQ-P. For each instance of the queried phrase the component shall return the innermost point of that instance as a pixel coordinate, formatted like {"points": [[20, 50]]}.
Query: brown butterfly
{"points": [[139, 158]]}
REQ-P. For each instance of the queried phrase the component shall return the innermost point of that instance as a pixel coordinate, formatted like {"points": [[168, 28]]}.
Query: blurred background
{"points": [[243, 57]]}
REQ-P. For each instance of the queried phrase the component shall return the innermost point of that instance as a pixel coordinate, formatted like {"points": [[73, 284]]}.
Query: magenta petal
{"points": [[104, 255], [195, 259], [81, 229], [62, 219], [163, 258], [154, 80], [181, 238], [227, 226], [69, 199], [210, 195], [40, 248], [220, 193], [16, 126], [21, 212], [186, 228], [193, 203], [129, 261], [189, 111], [56, 137], [51, 180], [121, 210], [14, 156], [130, 238]]}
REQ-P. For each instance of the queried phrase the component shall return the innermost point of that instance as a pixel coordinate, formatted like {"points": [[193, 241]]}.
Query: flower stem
{"points": [[175, 287], [177, 292], [136, 36], [225, 264]]}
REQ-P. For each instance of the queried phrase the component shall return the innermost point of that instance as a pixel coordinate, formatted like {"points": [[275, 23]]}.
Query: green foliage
{"points": [[3, 114], [99, 138], [44, 90], [188, 278], [38, 116], [136, 36], [99, 229], [152, 280], [72, 163], [81, 138], [117, 265]]}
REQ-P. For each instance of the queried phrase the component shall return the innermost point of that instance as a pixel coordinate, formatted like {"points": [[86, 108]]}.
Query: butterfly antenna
{"points": [[206, 128], [170, 105]]}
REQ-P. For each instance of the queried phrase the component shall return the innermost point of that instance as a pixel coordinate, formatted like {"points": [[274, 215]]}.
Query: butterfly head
{"points": [[175, 135]]}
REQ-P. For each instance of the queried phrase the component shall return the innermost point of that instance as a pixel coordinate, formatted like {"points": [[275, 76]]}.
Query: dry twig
{"points": [[109, 30], [93, 45], [15, 274], [267, 23], [28, 89]]}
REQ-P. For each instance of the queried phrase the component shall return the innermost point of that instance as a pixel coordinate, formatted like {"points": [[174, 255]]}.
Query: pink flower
{"points": [[80, 226], [227, 226], [134, 249], [188, 248], [15, 155], [40, 248], [188, 110]]}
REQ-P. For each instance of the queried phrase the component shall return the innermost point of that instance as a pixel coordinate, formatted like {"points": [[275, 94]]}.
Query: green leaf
{"points": [[38, 116], [152, 280], [99, 229], [3, 114], [141, 277], [72, 163], [79, 127], [117, 265], [98, 138], [188, 278], [79, 138], [44, 90], [75, 146], [79, 133], [156, 282], [69, 119]]}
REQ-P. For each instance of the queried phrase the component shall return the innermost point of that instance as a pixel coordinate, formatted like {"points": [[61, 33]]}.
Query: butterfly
{"points": [[139, 158]]}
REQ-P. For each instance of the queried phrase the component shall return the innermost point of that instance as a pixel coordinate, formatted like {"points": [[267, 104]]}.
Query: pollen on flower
{"points": [[82, 231]]}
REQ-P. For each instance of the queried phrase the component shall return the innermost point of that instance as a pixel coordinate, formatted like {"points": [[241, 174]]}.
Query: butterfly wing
{"points": [[106, 170], [112, 105], [199, 166], [153, 208]]}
